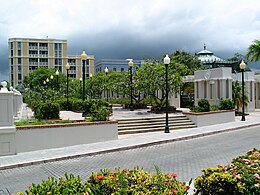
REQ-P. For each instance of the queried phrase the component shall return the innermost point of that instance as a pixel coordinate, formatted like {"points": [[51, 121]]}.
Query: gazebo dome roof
{"points": [[206, 56]]}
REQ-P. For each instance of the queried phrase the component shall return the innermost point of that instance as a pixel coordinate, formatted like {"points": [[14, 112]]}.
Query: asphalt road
{"points": [[185, 158]]}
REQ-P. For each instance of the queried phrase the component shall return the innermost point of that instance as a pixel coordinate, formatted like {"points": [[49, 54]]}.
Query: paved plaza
{"points": [[176, 151]]}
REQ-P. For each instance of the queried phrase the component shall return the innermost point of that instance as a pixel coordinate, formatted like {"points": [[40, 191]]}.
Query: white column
{"points": [[7, 127]]}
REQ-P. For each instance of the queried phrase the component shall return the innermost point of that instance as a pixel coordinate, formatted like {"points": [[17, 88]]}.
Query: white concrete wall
{"points": [[31, 139], [211, 118]]}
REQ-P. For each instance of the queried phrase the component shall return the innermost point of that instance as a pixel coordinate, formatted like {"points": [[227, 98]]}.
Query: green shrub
{"points": [[67, 185], [75, 104], [204, 105], [241, 176], [195, 109], [161, 109], [105, 182], [121, 101], [136, 181], [226, 104], [48, 110], [62, 102], [214, 108], [97, 109]]}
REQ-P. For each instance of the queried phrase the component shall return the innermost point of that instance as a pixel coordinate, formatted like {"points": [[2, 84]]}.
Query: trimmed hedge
{"points": [[48, 110], [226, 104]]}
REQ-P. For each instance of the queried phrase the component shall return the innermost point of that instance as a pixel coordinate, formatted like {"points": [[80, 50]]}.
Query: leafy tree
{"points": [[37, 78], [236, 59], [253, 51], [190, 61], [151, 79]]}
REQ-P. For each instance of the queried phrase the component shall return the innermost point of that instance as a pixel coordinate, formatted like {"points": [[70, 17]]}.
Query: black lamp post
{"points": [[106, 71], [67, 91], [80, 81], [57, 78], [242, 67], [83, 58], [131, 64], [166, 61]]}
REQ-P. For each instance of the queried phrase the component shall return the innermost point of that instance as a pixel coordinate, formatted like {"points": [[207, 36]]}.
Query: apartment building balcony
{"points": [[43, 55], [33, 55], [33, 47], [43, 48], [43, 63], [33, 63]]}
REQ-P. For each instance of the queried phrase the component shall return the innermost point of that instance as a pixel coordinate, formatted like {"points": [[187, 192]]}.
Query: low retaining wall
{"points": [[31, 138], [211, 118]]}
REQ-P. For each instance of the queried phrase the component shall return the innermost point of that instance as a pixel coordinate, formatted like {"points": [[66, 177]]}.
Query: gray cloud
{"points": [[136, 29]]}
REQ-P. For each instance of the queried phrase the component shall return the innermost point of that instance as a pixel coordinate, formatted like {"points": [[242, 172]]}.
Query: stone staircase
{"points": [[144, 125]]}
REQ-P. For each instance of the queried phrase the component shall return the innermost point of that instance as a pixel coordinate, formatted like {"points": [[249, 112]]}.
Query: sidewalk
{"points": [[124, 142]]}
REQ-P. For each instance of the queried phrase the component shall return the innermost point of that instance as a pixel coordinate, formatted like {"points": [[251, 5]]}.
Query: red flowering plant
{"points": [[241, 176], [136, 181], [105, 182]]}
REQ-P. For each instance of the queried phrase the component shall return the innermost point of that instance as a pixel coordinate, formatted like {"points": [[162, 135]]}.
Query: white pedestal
{"points": [[7, 140]]}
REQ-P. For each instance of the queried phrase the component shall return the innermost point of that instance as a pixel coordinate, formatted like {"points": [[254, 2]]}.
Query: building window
{"points": [[12, 53], [12, 61], [87, 62], [19, 77], [19, 60], [114, 69], [12, 45], [58, 61], [122, 69], [19, 52], [19, 45]]}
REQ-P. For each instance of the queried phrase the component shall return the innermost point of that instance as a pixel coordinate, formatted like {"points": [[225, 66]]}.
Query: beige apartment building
{"points": [[26, 55]]}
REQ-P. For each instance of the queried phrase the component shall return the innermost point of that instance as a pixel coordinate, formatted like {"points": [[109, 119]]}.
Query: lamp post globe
{"points": [[243, 67], [131, 64], [83, 58], [166, 62]]}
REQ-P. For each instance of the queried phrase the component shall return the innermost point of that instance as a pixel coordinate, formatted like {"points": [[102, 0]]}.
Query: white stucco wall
{"points": [[31, 139], [211, 118]]}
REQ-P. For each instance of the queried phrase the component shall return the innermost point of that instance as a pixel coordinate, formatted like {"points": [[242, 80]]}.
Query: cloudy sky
{"points": [[132, 28]]}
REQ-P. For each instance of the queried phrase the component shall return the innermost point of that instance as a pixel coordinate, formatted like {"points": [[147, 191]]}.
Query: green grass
{"points": [[42, 122]]}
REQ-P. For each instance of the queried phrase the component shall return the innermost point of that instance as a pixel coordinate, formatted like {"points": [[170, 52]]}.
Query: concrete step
{"points": [[151, 125], [133, 131], [148, 119], [141, 125]]}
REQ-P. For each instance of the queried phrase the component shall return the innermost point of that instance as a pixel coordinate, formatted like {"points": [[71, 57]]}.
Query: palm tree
{"points": [[237, 96], [253, 51]]}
